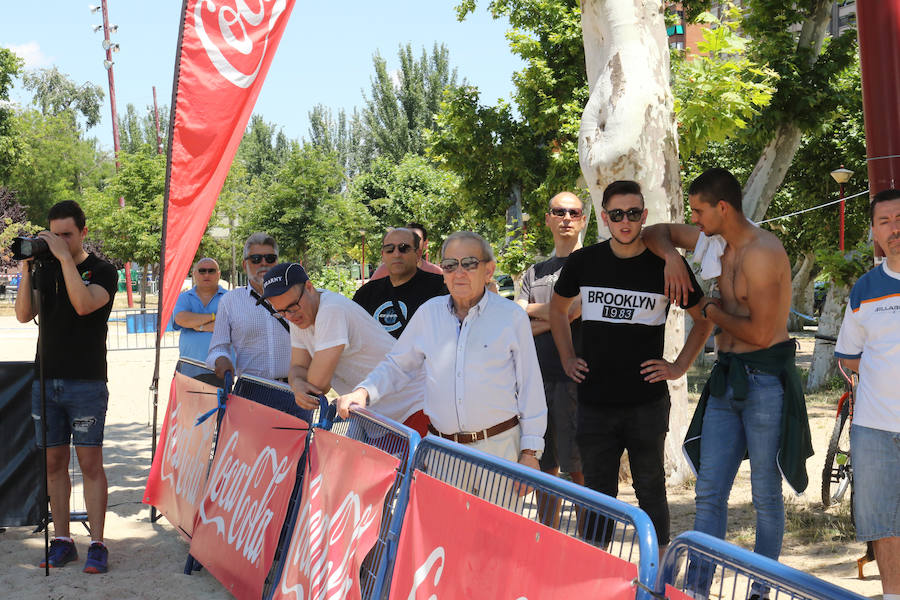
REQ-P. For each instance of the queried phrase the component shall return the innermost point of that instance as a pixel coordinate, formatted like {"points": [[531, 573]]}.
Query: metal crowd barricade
{"points": [[709, 567], [401, 442], [620, 529], [274, 394], [135, 329]]}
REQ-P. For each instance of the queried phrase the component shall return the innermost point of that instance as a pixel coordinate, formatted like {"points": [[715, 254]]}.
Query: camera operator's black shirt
{"points": [[623, 319], [75, 346]]}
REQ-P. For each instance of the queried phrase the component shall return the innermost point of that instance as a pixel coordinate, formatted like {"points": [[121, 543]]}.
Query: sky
{"points": [[325, 56]]}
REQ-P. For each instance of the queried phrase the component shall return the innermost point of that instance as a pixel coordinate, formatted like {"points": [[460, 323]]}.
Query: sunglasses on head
{"points": [[575, 213], [469, 263], [258, 258], [617, 214], [403, 247], [206, 271]]}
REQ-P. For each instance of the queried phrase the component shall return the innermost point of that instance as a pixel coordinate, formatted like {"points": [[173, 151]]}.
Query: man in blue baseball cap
{"points": [[334, 342]]}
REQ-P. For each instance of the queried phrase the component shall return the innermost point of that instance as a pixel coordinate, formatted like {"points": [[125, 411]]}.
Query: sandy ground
{"points": [[146, 559]]}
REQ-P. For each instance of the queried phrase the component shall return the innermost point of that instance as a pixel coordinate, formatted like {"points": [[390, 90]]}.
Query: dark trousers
{"points": [[604, 432]]}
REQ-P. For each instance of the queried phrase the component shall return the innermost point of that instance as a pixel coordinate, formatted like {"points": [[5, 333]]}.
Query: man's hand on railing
{"points": [[357, 397]]}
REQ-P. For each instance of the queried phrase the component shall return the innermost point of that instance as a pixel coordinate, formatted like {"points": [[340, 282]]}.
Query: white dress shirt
{"points": [[478, 373], [262, 346]]}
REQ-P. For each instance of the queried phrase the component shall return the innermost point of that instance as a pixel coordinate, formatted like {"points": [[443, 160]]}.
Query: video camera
{"points": [[30, 247]]}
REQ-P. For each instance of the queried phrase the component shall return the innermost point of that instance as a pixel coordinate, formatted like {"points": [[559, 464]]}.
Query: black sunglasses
{"points": [[469, 263], [575, 213], [258, 258], [617, 214], [404, 248], [205, 271]]}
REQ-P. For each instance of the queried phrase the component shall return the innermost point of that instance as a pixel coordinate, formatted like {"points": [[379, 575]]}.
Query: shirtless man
{"points": [[754, 381]]}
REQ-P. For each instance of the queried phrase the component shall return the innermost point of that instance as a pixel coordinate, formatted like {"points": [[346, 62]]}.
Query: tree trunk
{"points": [[776, 157], [823, 362], [801, 293], [628, 132]]}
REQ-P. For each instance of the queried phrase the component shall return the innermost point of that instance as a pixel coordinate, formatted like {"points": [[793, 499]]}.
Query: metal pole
{"points": [[159, 144], [842, 219], [115, 126]]}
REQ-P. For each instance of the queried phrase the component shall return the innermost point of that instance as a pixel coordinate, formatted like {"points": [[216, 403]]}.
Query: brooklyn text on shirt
{"points": [[613, 305]]}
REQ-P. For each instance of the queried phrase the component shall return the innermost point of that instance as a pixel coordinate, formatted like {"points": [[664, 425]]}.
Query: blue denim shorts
{"points": [[876, 486], [76, 411]]}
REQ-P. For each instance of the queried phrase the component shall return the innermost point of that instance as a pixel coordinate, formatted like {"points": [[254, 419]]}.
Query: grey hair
{"points": [[259, 239], [415, 236], [487, 253]]}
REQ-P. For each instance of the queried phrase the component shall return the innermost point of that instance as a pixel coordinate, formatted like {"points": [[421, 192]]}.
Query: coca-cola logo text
{"points": [[186, 455]]}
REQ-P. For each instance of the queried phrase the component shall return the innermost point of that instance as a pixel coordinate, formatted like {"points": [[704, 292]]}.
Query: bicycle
{"points": [[837, 473]]}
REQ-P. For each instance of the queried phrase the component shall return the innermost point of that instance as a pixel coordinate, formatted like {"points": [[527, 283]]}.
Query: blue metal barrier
{"points": [[736, 573], [620, 529], [399, 441], [273, 394]]}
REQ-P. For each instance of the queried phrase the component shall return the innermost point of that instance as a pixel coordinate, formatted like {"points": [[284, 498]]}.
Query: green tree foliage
{"points": [[403, 104], [54, 93], [137, 133], [342, 134], [264, 150], [10, 64]]}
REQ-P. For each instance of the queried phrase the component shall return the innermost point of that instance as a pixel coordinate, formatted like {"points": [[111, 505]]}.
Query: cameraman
{"points": [[76, 292]]}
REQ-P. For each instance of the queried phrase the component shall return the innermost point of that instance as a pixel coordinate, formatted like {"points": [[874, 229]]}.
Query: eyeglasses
{"points": [[617, 214], [404, 248], [469, 263], [575, 213], [291, 308], [258, 258], [205, 271]]}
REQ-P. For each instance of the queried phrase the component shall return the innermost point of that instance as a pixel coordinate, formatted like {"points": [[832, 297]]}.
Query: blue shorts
{"points": [[876, 486], [76, 410]]}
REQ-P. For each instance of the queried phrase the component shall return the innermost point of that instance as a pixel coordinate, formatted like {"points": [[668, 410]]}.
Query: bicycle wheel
{"points": [[836, 472]]}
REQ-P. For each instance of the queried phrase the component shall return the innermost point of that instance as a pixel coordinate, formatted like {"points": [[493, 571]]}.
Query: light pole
{"points": [[362, 270], [842, 176], [110, 47]]}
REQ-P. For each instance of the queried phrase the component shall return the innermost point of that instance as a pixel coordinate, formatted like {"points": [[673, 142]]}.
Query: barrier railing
{"points": [[135, 329], [709, 567], [399, 441], [620, 529], [273, 394]]}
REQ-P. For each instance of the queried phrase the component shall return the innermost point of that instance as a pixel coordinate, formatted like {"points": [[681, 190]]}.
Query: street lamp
{"points": [[842, 176], [362, 271]]}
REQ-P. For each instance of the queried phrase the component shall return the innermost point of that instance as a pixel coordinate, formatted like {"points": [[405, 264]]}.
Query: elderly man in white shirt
{"points": [[483, 384]]}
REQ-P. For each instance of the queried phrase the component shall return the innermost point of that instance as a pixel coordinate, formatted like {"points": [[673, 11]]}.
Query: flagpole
{"points": [[154, 386]]}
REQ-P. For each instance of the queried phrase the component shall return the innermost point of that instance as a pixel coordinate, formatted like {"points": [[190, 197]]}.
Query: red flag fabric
{"points": [[246, 497], [674, 594], [340, 516], [455, 545], [178, 473], [225, 51]]}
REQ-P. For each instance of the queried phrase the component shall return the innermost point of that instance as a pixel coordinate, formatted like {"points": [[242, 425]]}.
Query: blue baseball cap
{"points": [[282, 277]]}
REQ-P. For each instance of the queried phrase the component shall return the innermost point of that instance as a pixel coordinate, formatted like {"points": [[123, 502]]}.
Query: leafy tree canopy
{"points": [[54, 93]]}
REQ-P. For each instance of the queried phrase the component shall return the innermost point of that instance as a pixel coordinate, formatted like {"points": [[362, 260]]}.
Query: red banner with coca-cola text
{"points": [[339, 519], [455, 545], [675, 594], [224, 53], [245, 501], [178, 473]]}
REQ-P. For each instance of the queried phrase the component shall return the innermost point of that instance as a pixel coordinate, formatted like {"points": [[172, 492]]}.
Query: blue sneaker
{"points": [[97, 558], [61, 552]]}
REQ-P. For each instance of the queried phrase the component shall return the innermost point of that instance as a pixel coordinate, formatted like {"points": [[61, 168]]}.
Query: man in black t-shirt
{"points": [[76, 294], [392, 300], [623, 399]]}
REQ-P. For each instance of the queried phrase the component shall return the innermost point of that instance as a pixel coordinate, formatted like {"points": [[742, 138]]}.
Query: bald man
{"points": [[195, 310]]}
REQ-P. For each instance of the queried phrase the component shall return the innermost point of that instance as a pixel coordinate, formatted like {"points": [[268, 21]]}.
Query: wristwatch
{"points": [[530, 452]]}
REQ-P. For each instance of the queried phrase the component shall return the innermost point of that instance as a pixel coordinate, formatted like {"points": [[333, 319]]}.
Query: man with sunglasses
{"points": [[421, 254], [334, 343], [565, 219], [623, 398], [244, 328], [482, 380], [393, 300], [195, 310]]}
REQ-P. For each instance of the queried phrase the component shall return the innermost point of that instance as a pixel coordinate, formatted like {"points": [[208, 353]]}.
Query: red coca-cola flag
{"points": [[178, 473], [674, 594], [455, 545], [246, 497], [224, 52], [340, 516]]}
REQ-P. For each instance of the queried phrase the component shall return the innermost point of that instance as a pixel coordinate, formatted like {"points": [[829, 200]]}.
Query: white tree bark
{"points": [[628, 132], [823, 362], [776, 157], [802, 293]]}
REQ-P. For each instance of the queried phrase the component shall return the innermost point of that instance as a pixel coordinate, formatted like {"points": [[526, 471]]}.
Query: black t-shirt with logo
{"points": [[378, 296], [537, 288], [623, 320], [75, 346]]}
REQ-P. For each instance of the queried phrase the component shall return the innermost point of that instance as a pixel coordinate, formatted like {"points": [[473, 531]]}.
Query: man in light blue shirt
{"points": [[195, 310]]}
